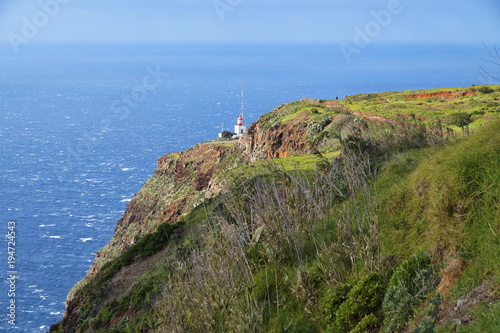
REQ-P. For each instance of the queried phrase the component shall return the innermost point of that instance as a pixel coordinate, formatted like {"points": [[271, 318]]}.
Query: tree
{"points": [[227, 135], [460, 119]]}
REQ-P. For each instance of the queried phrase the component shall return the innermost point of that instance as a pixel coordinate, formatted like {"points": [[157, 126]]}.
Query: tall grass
{"points": [[277, 241]]}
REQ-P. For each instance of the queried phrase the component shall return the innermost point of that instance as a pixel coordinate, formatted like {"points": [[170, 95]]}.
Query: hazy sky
{"points": [[249, 21]]}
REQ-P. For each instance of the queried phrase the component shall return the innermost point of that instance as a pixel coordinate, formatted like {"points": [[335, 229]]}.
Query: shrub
{"points": [[369, 324], [397, 307], [485, 90], [226, 135], [428, 325], [364, 299], [460, 119], [316, 127], [408, 286], [333, 301]]}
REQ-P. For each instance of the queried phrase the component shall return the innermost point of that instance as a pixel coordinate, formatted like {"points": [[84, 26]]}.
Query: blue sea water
{"points": [[81, 128]]}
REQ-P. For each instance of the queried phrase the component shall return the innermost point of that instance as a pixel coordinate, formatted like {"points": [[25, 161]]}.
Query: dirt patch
{"points": [[455, 311], [330, 104], [448, 95], [372, 117], [130, 313], [450, 275]]}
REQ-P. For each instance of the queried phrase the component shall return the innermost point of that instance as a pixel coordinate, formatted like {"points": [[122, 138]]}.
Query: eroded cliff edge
{"points": [[184, 179]]}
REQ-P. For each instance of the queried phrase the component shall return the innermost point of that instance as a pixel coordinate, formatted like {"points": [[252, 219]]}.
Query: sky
{"points": [[249, 21]]}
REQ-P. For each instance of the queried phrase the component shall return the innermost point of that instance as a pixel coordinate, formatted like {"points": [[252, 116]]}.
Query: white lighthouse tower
{"points": [[240, 128]]}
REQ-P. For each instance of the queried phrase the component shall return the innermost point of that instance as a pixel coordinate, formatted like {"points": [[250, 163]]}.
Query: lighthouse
{"points": [[239, 128]]}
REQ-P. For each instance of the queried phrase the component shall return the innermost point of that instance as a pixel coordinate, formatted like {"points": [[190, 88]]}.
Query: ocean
{"points": [[81, 128]]}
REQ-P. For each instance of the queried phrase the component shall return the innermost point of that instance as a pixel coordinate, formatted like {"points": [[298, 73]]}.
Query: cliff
{"points": [[191, 226], [179, 183]]}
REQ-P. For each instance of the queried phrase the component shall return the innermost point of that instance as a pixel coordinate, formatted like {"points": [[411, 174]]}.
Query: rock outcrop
{"points": [[278, 141]]}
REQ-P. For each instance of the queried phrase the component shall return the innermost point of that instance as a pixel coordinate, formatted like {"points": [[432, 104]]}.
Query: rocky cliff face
{"points": [[178, 184], [281, 140], [181, 182], [184, 179], [280, 133]]}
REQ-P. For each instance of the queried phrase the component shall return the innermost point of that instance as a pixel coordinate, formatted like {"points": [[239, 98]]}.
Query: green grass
{"points": [[482, 107], [227, 143], [306, 107], [445, 200], [299, 163]]}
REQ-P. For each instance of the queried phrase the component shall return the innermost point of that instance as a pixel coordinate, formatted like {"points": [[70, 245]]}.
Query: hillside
{"points": [[378, 212]]}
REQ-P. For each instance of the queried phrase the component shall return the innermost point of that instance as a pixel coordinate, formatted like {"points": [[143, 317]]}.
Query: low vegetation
{"points": [[382, 227], [290, 253], [480, 103]]}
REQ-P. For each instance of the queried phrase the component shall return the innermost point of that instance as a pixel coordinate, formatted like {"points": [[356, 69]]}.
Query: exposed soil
{"points": [[450, 274], [455, 311], [448, 95]]}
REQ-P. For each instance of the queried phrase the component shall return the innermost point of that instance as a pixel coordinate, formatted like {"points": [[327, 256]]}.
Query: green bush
{"points": [[363, 299], [315, 127], [485, 90], [397, 307], [410, 283], [332, 301], [369, 324], [460, 119], [429, 324], [155, 242]]}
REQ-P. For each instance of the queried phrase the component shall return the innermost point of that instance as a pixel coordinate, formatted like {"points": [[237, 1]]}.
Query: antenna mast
{"points": [[242, 97]]}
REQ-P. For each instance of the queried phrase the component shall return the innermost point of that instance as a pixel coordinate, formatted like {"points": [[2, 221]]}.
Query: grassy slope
{"points": [[442, 201], [445, 201]]}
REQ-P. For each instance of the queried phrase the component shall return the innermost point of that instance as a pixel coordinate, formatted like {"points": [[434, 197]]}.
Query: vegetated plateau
{"points": [[375, 213]]}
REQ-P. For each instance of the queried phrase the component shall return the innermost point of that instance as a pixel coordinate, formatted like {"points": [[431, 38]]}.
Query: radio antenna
{"points": [[242, 98]]}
